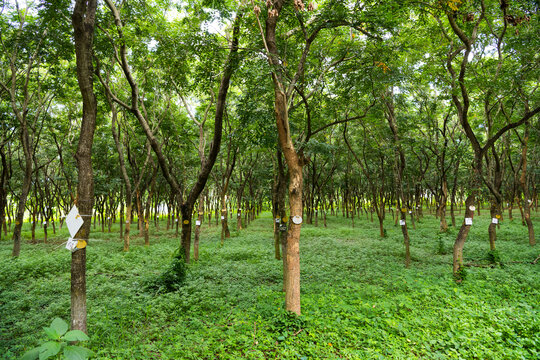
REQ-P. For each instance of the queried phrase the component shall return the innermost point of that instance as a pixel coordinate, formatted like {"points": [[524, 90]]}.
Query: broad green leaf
{"points": [[76, 353], [51, 333], [60, 326], [50, 348], [31, 354], [76, 335]]}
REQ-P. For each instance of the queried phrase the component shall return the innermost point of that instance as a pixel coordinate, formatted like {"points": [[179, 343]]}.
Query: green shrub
{"points": [[174, 276], [494, 257]]}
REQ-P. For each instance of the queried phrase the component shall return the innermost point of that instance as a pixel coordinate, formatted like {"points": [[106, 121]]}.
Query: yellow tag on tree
{"points": [[285, 219], [498, 216], [186, 222], [81, 244], [403, 209]]}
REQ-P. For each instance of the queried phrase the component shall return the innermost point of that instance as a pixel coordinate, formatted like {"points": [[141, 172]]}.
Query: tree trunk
{"points": [[198, 230], [527, 201], [83, 20], [25, 190], [185, 243], [442, 207], [399, 167]]}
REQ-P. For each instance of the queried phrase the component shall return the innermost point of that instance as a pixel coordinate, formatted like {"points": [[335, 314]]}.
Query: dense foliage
{"points": [[402, 136]]}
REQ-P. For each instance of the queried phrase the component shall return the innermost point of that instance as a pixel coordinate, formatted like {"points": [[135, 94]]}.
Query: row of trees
{"points": [[376, 108]]}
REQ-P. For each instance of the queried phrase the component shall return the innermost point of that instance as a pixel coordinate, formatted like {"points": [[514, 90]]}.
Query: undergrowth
{"points": [[358, 300]]}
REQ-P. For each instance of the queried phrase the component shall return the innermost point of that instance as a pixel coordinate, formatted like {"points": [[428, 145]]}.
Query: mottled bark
{"points": [[83, 20]]}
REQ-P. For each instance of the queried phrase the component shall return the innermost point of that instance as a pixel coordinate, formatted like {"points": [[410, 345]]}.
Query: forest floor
{"points": [[358, 300]]}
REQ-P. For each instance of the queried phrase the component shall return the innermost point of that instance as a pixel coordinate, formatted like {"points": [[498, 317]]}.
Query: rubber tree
{"points": [[134, 106], [83, 20], [462, 37]]}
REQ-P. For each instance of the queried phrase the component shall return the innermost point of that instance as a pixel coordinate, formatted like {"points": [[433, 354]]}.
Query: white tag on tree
{"points": [[494, 220], [44, 223], [71, 245], [297, 220], [222, 217], [472, 207], [198, 222], [410, 212], [277, 220], [402, 222], [175, 220], [74, 221], [468, 221], [238, 214]]}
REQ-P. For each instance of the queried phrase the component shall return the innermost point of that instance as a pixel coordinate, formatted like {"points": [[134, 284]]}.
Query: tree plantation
{"points": [[269, 180]]}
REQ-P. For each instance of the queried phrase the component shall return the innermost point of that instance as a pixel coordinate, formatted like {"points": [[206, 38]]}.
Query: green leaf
{"points": [[60, 326], [76, 353], [51, 333], [31, 354], [76, 335], [50, 348]]}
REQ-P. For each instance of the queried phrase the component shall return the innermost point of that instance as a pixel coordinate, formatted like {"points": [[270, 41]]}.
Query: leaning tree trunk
{"points": [[469, 214], [83, 20]]}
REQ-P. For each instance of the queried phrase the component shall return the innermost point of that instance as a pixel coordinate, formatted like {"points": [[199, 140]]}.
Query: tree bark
{"points": [[527, 201], [399, 167], [295, 164], [83, 20]]}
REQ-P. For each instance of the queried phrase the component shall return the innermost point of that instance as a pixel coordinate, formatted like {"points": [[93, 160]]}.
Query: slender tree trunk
{"points": [[25, 190], [83, 20], [442, 212], [399, 167], [4, 180], [198, 224], [527, 201]]}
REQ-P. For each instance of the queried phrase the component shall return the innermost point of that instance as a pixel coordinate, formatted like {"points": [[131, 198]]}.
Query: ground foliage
{"points": [[358, 300]]}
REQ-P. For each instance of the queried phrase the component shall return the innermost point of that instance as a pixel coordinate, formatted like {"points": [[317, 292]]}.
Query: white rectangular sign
{"points": [[74, 221]]}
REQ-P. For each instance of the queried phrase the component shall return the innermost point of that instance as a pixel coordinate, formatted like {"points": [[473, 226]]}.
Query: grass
{"points": [[358, 300]]}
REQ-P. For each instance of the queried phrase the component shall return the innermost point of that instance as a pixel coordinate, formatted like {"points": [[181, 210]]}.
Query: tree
{"points": [[83, 19], [462, 38], [188, 202]]}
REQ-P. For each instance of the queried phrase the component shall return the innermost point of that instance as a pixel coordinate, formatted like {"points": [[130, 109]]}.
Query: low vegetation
{"points": [[358, 300]]}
